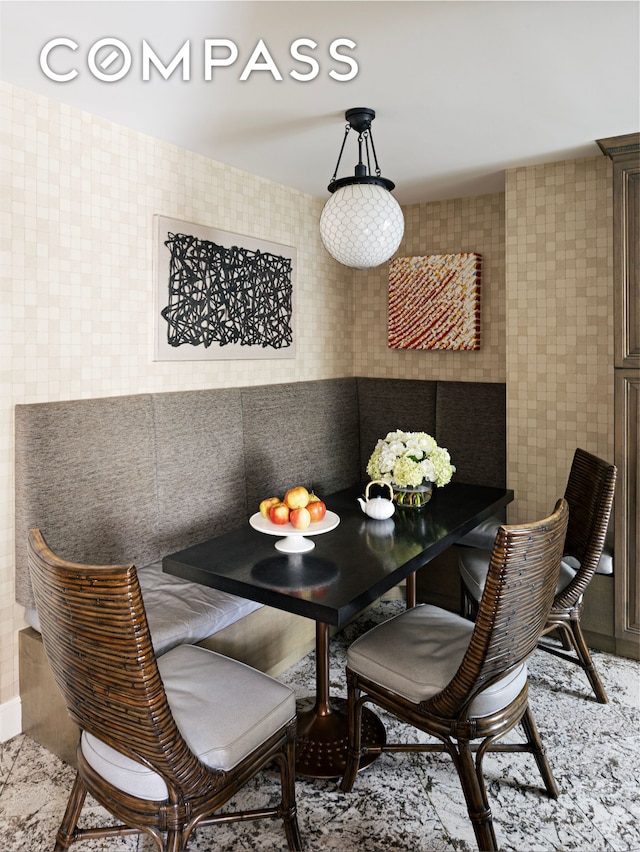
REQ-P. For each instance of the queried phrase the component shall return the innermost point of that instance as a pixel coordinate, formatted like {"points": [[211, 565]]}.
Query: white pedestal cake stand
{"points": [[294, 540]]}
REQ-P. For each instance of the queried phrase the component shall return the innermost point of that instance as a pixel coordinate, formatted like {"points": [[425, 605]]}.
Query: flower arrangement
{"points": [[407, 459]]}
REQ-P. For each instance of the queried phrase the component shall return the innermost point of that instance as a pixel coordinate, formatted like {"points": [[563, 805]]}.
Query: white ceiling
{"points": [[462, 90]]}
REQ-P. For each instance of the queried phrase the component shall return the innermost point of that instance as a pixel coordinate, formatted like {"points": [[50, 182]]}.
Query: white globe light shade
{"points": [[361, 225]]}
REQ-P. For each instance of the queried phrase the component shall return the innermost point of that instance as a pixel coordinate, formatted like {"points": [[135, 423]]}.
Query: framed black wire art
{"points": [[220, 295]]}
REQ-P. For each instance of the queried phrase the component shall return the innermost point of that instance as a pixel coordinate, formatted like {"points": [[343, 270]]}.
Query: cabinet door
{"points": [[627, 523]]}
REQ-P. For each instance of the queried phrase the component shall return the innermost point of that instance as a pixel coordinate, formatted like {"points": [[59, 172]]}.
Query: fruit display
{"points": [[299, 507]]}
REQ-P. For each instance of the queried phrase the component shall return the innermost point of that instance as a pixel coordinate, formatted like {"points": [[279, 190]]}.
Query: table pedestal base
{"points": [[323, 738]]}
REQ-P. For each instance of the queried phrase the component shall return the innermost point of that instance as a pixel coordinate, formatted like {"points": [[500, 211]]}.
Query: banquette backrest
{"points": [[132, 478], [469, 418], [86, 476], [303, 432]]}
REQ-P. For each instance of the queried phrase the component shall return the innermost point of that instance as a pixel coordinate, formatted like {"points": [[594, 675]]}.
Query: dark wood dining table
{"points": [[349, 568]]}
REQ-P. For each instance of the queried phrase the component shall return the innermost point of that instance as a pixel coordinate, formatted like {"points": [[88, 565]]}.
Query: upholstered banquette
{"points": [[133, 478]]}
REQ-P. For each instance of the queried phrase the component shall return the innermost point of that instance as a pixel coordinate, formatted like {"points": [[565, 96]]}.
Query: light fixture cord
{"points": [[344, 139], [375, 158], [365, 136]]}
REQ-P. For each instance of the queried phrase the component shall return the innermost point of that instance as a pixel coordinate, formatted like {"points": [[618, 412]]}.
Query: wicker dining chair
{"points": [[589, 493], [462, 682], [165, 742]]}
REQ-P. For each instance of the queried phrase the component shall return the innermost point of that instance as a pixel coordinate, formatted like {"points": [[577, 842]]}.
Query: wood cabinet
{"points": [[624, 151]]}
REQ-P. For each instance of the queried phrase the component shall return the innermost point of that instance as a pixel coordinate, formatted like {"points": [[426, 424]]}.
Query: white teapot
{"points": [[377, 507]]}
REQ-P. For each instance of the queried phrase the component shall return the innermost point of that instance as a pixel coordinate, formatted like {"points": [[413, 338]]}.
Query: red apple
{"points": [[300, 518], [297, 498], [266, 504], [279, 514], [316, 509]]}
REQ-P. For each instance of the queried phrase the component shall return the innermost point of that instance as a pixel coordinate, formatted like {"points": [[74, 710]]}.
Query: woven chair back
{"points": [[97, 640], [517, 599], [589, 493]]}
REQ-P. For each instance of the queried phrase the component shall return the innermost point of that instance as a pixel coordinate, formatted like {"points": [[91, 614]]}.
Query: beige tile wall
{"points": [[78, 197], [448, 227], [560, 325]]}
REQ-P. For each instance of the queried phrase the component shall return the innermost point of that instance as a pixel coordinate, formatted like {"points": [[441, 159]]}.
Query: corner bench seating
{"points": [[133, 478]]}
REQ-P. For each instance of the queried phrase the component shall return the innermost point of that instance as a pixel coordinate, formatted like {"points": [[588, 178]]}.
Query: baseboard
{"points": [[10, 719]]}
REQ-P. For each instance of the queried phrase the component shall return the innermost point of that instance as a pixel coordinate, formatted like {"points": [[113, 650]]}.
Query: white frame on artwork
{"points": [[284, 336]]}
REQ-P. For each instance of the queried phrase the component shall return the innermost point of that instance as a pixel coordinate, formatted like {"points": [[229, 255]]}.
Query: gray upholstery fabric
{"points": [[182, 612], [200, 466], [223, 708], [468, 418], [474, 567], [178, 611], [86, 476], [484, 535], [605, 565], [125, 774], [388, 404], [471, 420], [417, 653], [302, 433], [132, 478]]}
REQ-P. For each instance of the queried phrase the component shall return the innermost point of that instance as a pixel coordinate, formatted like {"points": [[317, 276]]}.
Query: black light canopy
{"points": [[359, 119]]}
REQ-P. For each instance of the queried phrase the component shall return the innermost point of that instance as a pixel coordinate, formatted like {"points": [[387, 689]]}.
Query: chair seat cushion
{"points": [[223, 708], [417, 653], [605, 565], [473, 565]]}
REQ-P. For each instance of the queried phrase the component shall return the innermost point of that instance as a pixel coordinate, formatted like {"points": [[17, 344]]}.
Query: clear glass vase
{"points": [[413, 498]]}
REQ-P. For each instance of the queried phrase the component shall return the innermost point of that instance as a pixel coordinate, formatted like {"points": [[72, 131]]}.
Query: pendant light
{"points": [[361, 224]]}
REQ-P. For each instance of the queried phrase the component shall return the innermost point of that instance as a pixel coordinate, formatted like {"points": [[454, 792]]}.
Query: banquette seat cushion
{"points": [[179, 611]]}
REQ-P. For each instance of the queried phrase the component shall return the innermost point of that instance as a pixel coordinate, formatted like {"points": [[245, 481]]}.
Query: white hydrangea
{"points": [[407, 459]]}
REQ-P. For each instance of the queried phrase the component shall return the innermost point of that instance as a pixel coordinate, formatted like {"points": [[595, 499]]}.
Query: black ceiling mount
{"points": [[359, 119]]}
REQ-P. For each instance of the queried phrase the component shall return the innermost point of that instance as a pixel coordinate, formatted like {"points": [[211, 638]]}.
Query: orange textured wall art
{"points": [[434, 302]]}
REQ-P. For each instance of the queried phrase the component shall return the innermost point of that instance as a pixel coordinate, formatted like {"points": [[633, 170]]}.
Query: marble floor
{"points": [[406, 802]]}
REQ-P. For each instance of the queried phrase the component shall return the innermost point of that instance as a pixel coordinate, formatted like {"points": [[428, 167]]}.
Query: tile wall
{"points": [[559, 335]]}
